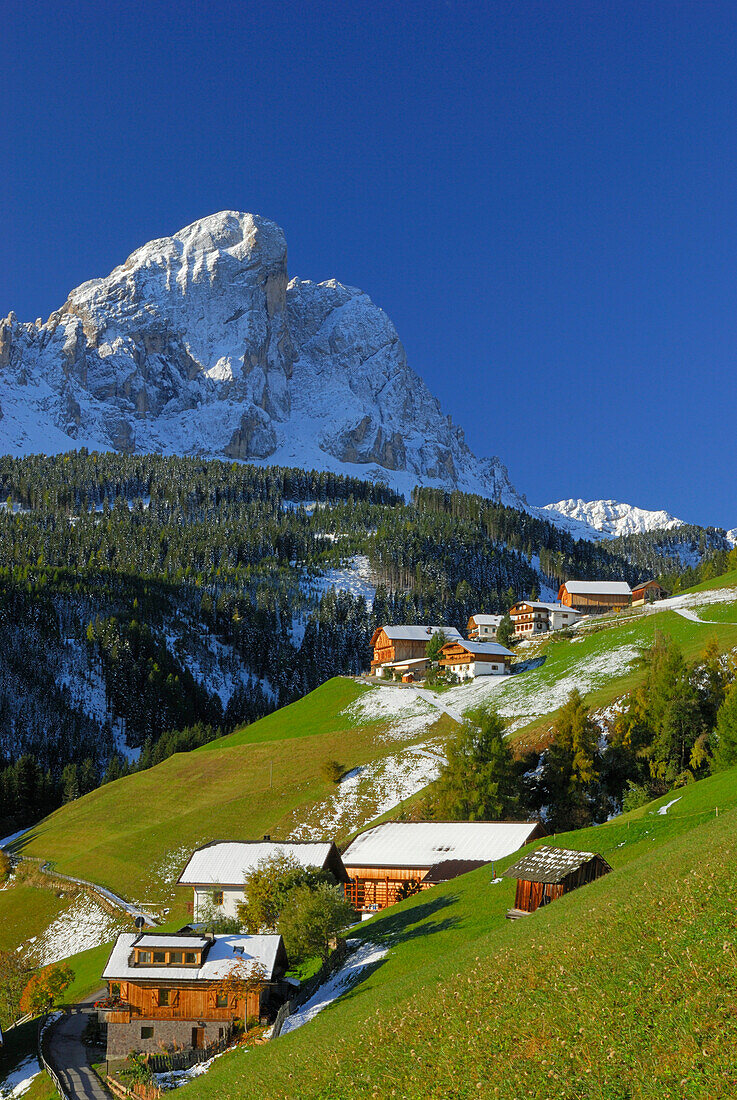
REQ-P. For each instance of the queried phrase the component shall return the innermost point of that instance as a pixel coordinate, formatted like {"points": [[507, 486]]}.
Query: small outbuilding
{"points": [[646, 591], [549, 873]]}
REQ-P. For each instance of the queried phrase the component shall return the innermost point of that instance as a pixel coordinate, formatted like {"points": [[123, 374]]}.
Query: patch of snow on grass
{"points": [[408, 714], [529, 695], [19, 1079], [82, 925], [371, 790], [344, 978], [664, 809]]}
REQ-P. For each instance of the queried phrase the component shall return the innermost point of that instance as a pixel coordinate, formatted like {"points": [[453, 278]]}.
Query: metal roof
{"points": [[482, 649], [452, 868], [227, 862], [224, 951], [548, 864], [418, 633], [598, 588], [422, 844]]}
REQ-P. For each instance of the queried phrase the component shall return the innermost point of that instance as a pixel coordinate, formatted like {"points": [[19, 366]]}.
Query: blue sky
{"points": [[541, 195]]}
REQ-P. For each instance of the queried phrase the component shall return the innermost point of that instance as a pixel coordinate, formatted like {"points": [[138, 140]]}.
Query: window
{"points": [[176, 958], [221, 1000], [159, 957], [217, 897], [163, 998], [190, 957], [147, 1033], [144, 957]]}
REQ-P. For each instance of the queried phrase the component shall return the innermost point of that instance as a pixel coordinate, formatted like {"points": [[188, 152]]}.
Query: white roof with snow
{"points": [[598, 588], [226, 863], [487, 620], [418, 633], [223, 952], [483, 649], [548, 606], [422, 844]]}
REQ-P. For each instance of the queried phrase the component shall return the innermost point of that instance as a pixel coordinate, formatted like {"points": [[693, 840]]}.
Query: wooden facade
{"points": [[165, 1000], [594, 602], [549, 873], [388, 651], [647, 590], [468, 657], [374, 888]]}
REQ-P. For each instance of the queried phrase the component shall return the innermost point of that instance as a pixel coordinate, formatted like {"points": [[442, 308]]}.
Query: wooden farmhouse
{"points": [[396, 647], [467, 660], [391, 860], [483, 628], [646, 591], [217, 872], [595, 597], [548, 873], [531, 617], [186, 990]]}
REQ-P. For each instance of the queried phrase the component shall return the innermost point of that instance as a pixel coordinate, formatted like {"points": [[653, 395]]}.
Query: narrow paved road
{"points": [[67, 1056]]}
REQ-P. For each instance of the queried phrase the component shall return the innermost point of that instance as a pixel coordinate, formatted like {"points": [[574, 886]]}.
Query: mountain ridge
{"points": [[201, 344]]}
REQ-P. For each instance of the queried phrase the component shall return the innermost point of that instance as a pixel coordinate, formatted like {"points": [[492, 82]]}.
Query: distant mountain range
{"points": [[200, 344]]}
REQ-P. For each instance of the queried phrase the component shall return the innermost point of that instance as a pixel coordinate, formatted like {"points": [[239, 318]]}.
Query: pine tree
{"points": [[477, 782], [725, 734]]}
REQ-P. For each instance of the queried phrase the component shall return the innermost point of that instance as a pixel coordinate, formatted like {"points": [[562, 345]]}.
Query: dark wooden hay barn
{"points": [[548, 873]]}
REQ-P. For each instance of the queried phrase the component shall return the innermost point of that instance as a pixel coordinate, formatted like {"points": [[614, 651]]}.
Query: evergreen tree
{"points": [[725, 734], [477, 782]]}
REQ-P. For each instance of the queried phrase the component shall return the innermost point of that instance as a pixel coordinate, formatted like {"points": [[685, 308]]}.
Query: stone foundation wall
{"points": [[122, 1038]]}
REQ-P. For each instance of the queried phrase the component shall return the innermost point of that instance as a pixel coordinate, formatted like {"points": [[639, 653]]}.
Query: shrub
{"points": [[635, 796], [332, 771]]}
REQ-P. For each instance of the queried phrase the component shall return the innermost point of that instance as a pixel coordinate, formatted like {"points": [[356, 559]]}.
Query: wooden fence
{"points": [[185, 1059], [139, 1091]]}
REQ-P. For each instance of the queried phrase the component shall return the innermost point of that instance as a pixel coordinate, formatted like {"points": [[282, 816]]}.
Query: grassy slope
{"points": [[26, 912], [623, 989], [119, 834], [562, 657]]}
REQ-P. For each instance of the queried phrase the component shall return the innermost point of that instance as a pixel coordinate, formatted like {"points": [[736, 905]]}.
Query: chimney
{"points": [[267, 836]]}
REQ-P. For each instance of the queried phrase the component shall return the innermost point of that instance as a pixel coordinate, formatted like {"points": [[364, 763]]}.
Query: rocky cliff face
{"points": [[199, 344]]}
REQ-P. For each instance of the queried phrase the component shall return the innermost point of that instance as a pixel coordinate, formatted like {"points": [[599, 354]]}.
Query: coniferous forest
{"points": [[149, 604]]}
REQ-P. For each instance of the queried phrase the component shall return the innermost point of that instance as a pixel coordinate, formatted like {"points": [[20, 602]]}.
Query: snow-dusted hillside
{"points": [[200, 344], [594, 519]]}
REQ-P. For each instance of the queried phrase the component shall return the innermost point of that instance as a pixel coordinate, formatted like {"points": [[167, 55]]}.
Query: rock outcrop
{"points": [[200, 344]]}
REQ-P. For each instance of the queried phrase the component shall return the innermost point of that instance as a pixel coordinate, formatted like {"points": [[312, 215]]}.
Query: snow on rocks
{"points": [[82, 925], [371, 790], [19, 1080], [345, 977]]}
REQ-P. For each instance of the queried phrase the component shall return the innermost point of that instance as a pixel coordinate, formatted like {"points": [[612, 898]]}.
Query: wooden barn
{"points": [[399, 857], [646, 591], [548, 873], [186, 990], [395, 646], [595, 597]]}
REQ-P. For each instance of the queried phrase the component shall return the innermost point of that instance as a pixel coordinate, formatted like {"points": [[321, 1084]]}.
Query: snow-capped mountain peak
{"points": [[607, 518], [200, 344]]}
